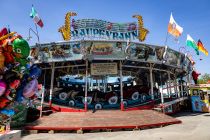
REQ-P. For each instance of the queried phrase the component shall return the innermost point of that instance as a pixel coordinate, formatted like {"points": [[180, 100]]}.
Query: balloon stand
{"points": [[18, 80]]}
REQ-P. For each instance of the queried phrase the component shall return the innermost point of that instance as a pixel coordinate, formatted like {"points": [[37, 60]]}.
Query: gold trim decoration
{"points": [[65, 30], [142, 32]]}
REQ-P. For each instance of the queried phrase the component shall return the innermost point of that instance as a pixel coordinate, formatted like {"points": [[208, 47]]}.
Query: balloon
{"points": [[2, 87], [2, 59], [6, 36], [10, 76], [8, 112], [30, 89], [11, 91], [34, 72], [4, 102], [3, 32], [21, 50], [19, 94], [8, 49]]}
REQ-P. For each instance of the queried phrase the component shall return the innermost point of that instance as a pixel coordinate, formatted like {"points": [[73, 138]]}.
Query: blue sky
{"points": [[192, 15]]}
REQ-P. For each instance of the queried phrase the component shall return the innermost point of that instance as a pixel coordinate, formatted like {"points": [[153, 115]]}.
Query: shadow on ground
{"points": [[189, 113]]}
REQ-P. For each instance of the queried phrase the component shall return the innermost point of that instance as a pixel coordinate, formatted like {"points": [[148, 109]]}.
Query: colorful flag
{"points": [[36, 17], [173, 28], [202, 48], [191, 43]]}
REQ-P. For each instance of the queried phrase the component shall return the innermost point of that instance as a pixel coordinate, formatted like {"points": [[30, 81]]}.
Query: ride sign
{"points": [[100, 29], [103, 68]]}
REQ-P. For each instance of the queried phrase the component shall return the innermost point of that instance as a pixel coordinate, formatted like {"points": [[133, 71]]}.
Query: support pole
{"points": [[86, 84], [151, 82], [169, 83], [181, 87], [105, 86], [91, 84], [42, 95], [178, 89], [121, 88], [167, 89], [42, 100], [175, 86], [98, 82], [188, 84], [162, 98], [37, 33], [186, 89], [166, 39], [51, 84]]}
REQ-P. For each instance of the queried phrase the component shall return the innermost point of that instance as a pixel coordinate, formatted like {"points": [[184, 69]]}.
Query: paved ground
{"points": [[194, 126]]}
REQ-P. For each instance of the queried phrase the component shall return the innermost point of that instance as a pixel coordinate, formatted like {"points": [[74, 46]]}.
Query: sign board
{"points": [[196, 103], [100, 29], [103, 68]]}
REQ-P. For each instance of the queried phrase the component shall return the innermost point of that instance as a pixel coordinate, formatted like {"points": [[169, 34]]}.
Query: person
{"points": [[195, 76]]}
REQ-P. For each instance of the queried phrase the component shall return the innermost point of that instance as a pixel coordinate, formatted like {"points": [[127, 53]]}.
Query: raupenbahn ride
{"points": [[90, 70]]}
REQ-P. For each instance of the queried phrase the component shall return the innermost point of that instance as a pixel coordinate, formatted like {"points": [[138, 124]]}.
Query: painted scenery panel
{"points": [[172, 57], [142, 52], [105, 50], [57, 52]]}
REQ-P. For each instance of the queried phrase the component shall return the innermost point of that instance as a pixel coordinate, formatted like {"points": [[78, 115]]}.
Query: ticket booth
{"points": [[200, 97]]}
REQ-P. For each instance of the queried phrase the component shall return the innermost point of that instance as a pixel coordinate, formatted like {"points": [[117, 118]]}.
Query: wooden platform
{"points": [[102, 119]]}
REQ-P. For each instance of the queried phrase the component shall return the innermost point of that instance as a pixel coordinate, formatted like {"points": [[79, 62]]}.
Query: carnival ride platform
{"points": [[102, 120]]}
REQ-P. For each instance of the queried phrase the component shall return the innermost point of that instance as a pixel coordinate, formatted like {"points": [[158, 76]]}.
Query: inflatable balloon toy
{"points": [[31, 60], [6, 36], [10, 76], [2, 58], [4, 102], [30, 89], [19, 93], [11, 91], [21, 51], [2, 87], [8, 112], [3, 32], [34, 72], [11, 79], [8, 49]]}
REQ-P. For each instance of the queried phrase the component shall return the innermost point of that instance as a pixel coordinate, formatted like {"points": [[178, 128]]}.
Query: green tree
{"points": [[204, 79]]}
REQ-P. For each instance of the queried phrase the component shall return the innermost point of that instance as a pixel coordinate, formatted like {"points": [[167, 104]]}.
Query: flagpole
{"points": [[166, 39], [37, 33]]}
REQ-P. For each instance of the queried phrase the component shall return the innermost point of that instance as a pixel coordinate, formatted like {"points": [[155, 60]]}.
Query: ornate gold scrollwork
{"points": [[142, 32], [66, 28]]}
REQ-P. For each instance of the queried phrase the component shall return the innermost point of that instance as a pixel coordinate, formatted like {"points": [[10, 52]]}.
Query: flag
{"points": [[173, 28], [191, 43], [202, 48], [36, 17]]}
